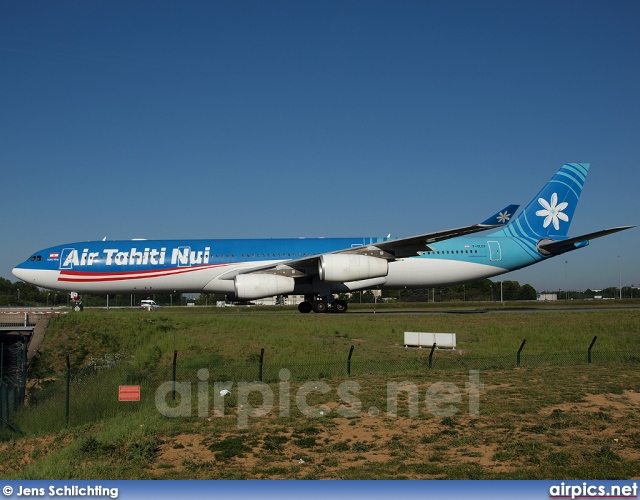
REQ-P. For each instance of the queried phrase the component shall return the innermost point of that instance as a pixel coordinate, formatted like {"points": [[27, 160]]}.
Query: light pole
{"points": [[619, 279]]}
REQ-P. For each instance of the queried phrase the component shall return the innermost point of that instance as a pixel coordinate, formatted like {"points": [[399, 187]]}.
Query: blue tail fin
{"points": [[550, 213]]}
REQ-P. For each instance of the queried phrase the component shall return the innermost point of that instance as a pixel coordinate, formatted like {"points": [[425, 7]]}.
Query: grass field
{"points": [[568, 419]]}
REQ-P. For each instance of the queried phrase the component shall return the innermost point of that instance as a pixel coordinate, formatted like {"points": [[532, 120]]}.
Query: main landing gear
{"points": [[322, 305]]}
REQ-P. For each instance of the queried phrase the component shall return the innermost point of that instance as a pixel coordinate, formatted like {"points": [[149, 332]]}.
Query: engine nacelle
{"points": [[345, 267], [257, 286]]}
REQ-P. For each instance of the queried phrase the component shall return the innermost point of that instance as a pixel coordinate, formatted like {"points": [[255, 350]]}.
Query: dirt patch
{"points": [[603, 418], [330, 447], [618, 405], [18, 454], [180, 451]]}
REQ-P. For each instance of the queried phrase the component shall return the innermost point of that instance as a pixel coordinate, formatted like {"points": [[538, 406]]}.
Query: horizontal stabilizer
{"points": [[561, 246]]}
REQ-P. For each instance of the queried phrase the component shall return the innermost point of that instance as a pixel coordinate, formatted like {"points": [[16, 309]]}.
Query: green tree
{"points": [[510, 290], [527, 292]]}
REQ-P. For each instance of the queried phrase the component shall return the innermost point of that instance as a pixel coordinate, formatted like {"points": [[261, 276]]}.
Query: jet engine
{"points": [[256, 286], [345, 267]]}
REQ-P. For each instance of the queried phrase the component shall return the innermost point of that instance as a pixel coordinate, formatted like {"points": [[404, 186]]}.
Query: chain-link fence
{"points": [[268, 372], [90, 394], [13, 379]]}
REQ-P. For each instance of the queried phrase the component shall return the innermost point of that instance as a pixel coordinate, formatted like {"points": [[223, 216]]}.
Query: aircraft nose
{"points": [[20, 273]]}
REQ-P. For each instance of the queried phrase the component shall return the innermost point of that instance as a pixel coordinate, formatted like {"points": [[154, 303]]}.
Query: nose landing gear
{"points": [[77, 303]]}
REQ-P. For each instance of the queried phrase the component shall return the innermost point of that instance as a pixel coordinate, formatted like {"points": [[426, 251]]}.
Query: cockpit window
{"points": [[36, 258]]}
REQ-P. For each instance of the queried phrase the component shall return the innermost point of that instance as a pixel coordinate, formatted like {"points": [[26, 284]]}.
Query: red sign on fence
{"points": [[129, 393]]}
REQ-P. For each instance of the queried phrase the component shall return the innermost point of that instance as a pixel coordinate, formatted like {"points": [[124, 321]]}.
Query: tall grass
{"points": [[142, 345], [211, 337]]}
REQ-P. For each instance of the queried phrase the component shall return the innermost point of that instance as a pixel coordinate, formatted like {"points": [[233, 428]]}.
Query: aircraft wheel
{"points": [[320, 306], [304, 307], [340, 306]]}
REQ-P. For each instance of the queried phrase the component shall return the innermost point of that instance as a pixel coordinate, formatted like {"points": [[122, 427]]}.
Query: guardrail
{"points": [[5, 321]]}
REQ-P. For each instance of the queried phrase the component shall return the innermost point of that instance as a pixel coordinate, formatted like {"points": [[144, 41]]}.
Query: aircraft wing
{"points": [[415, 245], [561, 246], [389, 250]]}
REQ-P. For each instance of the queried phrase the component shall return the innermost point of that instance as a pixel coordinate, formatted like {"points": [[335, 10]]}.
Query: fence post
{"points": [[23, 381], [4, 402], [591, 347], [433, 348], [66, 403], [261, 364], [349, 361], [519, 351], [175, 365]]}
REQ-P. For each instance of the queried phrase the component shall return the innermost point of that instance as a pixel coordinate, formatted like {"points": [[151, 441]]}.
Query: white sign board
{"points": [[427, 339]]}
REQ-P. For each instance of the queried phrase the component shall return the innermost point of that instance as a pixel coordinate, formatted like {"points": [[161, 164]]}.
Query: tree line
{"points": [[20, 294], [23, 294], [481, 290]]}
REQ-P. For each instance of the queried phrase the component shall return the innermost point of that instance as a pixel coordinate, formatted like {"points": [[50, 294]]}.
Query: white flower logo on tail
{"points": [[552, 211]]}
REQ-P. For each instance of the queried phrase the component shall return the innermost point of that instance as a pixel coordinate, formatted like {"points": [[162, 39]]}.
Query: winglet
{"points": [[502, 217]]}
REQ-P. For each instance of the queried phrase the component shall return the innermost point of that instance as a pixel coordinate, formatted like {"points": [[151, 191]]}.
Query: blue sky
{"points": [[288, 118]]}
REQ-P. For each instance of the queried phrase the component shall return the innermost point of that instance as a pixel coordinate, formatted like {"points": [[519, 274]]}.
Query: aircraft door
{"points": [[495, 252]]}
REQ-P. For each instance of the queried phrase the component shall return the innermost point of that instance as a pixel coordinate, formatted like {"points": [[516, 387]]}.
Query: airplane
{"points": [[320, 268]]}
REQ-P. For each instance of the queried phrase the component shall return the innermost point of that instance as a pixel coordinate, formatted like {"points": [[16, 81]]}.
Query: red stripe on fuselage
{"points": [[96, 277]]}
